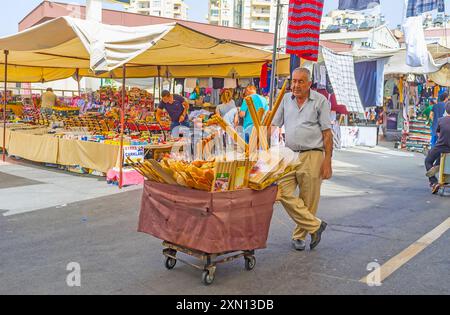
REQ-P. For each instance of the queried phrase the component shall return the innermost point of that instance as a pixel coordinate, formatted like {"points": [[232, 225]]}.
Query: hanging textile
{"points": [[304, 28], [218, 83], [389, 87], [400, 89], [357, 5], [266, 75], [416, 48], [417, 7], [320, 75], [230, 83], [203, 83], [295, 63], [380, 80], [190, 83], [342, 76], [366, 80]]}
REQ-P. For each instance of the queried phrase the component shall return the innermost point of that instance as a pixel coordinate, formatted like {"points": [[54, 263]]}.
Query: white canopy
{"points": [[397, 59]]}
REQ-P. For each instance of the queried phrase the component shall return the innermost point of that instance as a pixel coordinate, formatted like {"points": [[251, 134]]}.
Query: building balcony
{"points": [[260, 26], [262, 3], [261, 14]]}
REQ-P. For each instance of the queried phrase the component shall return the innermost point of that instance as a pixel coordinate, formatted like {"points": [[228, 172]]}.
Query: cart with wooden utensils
{"points": [[213, 227]]}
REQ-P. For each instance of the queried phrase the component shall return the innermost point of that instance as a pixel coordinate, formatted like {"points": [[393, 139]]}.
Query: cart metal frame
{"points": [[444, 174], [209, 262]]}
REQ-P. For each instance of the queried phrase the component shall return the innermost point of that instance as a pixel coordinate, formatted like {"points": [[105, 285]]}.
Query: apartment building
{"points": [[258, 15], [176, 9]]}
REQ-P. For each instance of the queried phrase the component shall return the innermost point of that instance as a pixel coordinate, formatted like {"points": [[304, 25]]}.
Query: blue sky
{"points": [[15, 10]]}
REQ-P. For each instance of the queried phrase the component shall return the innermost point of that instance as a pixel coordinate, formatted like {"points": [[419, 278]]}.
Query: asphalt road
{"points": [[377, 205]]}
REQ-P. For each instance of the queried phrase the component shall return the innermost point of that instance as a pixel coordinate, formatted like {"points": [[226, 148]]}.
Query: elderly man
{"points": [[432, 162], [305, 114]]}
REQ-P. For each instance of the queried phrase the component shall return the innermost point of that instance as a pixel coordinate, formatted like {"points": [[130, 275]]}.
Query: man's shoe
{"points": [[435, 189], [433, 171], [299, 245], [317, 236]]}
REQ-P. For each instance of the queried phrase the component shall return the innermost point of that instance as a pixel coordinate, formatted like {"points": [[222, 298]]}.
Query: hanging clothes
{"points": [[190, 83], [417, 7], [320, 75], [230, 83], [218, 83], [400, 91], [416, 48], [203, 83], [294, 63], [357, 5], [304, 28], [323, 75], [245, 82], [179, 81], [215, 97], [366, 80], [342, 75], [381, 63], [389, 87], [265, 77]]}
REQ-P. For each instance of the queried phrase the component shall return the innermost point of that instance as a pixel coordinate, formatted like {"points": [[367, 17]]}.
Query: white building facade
{"points": [[375, 38], [175, 9], [258, 15]]}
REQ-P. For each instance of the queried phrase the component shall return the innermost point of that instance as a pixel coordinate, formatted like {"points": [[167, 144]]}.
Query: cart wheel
{"points": [[250, 262], [208, 277], [170, 263]]}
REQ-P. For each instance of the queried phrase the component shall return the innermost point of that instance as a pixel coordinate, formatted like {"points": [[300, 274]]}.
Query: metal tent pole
{"points": [[159, 82], [274, 56], [122, 125], [78, 82], [6, 52]]}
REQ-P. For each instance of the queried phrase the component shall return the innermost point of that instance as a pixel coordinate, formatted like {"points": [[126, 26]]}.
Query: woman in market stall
{"points": [[227, 109], [177, 108]]}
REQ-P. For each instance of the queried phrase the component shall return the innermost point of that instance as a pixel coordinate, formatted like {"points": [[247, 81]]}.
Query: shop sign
{"points": [[134, 152]]}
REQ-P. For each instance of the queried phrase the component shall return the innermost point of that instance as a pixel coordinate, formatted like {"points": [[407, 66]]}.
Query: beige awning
{"points": [[55, 49]]}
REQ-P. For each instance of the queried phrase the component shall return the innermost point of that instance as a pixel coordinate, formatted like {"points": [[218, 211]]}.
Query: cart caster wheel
{"points": [[250, 262], [170, 263], [207, 277]]}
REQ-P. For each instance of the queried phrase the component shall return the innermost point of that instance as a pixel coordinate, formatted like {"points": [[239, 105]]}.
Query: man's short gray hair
{"points": [[305, 71]]}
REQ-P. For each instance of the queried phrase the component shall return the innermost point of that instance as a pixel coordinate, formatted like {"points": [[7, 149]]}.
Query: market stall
{"points": [[88, 48]]}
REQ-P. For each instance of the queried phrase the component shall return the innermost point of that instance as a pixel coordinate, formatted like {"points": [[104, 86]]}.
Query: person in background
{"points": [[177, 108], [259, 101], [437, 113], [432, 162], [306, 116], [227, 109], [427, 111], [49, 100]]}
